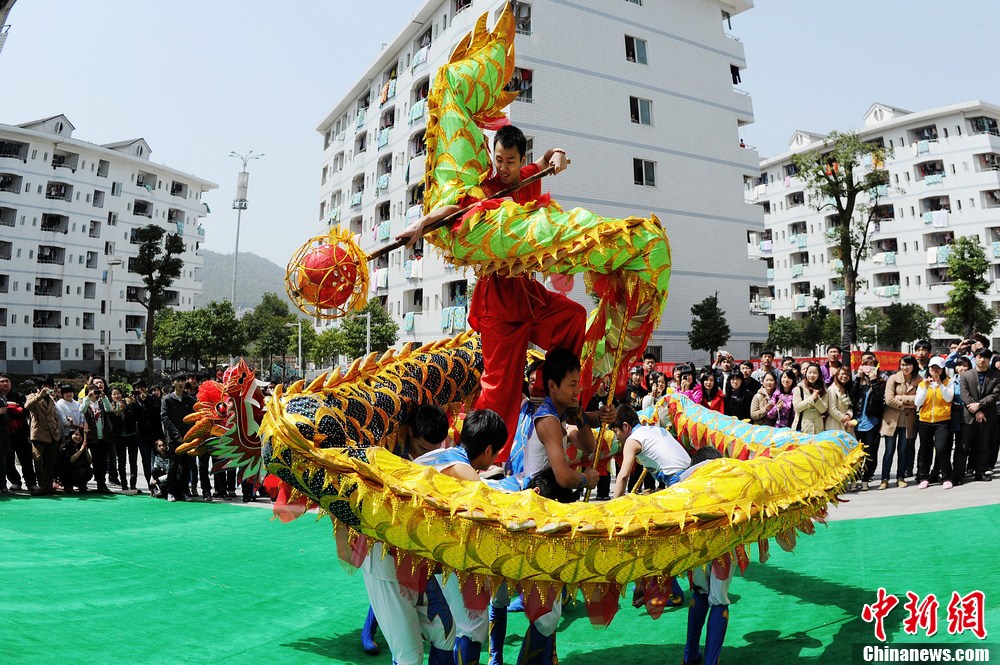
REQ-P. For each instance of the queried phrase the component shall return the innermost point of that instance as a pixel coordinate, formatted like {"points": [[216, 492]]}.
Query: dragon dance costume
{"points": [[326, 444]]}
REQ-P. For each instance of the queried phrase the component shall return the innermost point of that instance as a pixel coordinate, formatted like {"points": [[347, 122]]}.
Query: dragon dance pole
{"points": [[638, 483], [616, 369]]}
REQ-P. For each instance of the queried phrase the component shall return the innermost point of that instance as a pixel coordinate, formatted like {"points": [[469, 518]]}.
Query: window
{"points": [[635, 49], [645, 172], [635, 2], [641, 110]]}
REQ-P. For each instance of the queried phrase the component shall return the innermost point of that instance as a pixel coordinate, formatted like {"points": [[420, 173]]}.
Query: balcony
{"points": [[51, 255], [883, 258], [983, 125], [417, 111], [382, 138], [175, 215], [135, 294], [521, 83], [146, 180], [172, 298], [55, 223], [991, 198], [89, 290], [88, 320], [98, 200], [103, 167], [52, 288], [135, 322], [178, 189], [8, 216], [6, 249], [62, 159], [11, 183], [43, 318], [938, 276], [95, 229], [59, 191], [142, 208], [14, 150]]}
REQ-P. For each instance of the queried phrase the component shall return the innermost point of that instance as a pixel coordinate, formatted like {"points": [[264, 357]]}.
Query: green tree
{"points": [[328, 345], [384, 330], [904, 323], [813, 326], [966, 312], [179, 336], [159, 264], [266, 329], [831, 331], [225, 334], [846, 176], [784, 334], [871, 324], [709, 328]]}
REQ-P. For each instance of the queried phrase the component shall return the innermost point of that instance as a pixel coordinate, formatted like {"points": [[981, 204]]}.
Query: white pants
{"points": [[706, 581], [468, 623], [545, 624], [402, 613]]}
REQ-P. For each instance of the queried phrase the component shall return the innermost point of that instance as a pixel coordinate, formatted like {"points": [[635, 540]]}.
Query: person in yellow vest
{"points": [[933, 402]]}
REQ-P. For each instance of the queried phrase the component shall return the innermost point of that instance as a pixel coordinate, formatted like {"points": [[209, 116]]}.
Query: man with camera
{"points": [[95, 408], [45, 436]]}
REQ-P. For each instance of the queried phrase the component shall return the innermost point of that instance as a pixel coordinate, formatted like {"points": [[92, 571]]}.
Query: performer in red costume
{"points": [[509, 313]]}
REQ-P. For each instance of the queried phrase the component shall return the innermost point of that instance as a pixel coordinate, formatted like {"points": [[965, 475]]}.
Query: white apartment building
{"points": [[944, 183], [68, 213], [642, 96]]}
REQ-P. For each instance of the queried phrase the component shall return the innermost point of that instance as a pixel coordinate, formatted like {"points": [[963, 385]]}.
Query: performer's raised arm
{"points": [[415, 231], [554, 157]]}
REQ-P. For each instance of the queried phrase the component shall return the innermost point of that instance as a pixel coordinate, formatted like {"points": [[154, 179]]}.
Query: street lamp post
{"points": [[112, 264], [239, 205]]}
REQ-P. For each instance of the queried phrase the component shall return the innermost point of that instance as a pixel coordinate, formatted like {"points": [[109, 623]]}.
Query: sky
{"points": [[198, 79]]}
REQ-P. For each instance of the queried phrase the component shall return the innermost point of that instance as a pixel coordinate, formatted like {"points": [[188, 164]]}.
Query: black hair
{"points": [[908, 360], [65, 388], [558, 363], [48, 381], [5, 376], [482, 429], [820, 385], [714, 389], [139, 384], [509, 137], [981, 338], [785, 359], [983, 353], [922, 344], [652, 378], [626, 415], [795, 379], [548, 488], [962, 360], [429, 422], [834, 346], [179, 376], [746, 363], [649, 355], [704, 454], [767, 352]]}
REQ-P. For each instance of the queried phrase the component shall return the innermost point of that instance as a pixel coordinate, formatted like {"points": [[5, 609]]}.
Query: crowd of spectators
{"points": [[58, 439], [949, 405]]}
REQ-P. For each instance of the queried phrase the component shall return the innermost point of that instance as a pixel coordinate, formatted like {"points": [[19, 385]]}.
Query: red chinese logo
{"points": [[878, 611], [922, 614], [966, 613]]}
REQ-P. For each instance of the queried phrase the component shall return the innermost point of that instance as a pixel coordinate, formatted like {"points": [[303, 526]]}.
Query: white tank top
{"points": [[660, 451]]}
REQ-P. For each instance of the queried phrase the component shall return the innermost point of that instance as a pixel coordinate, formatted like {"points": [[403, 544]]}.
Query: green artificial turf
{"points": [[125, 579]]}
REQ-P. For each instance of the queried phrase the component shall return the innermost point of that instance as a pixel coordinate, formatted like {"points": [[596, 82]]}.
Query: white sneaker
{"points": [[947, 485], [171, 498], [923, 484]]}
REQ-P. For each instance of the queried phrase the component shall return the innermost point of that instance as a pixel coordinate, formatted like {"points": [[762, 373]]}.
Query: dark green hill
{"points": [[257, 277]]}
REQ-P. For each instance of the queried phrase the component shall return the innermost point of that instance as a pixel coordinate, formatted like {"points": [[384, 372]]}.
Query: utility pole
{"points": [[239, 205]]}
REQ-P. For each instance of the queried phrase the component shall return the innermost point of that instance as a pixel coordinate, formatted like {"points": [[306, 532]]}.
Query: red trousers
{"points": [[509, 313]]}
